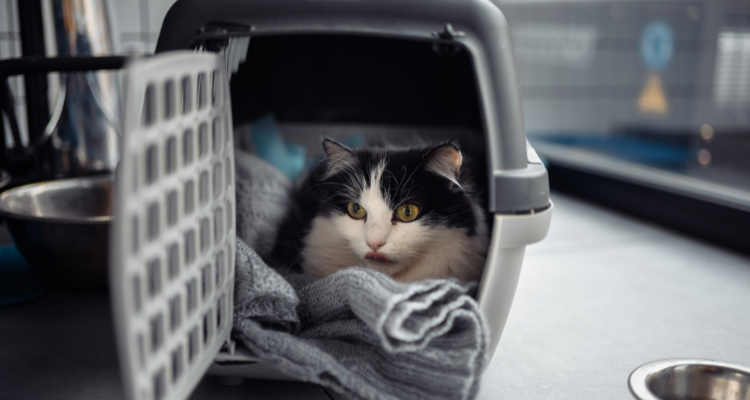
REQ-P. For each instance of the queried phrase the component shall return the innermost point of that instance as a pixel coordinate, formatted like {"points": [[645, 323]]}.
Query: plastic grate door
{"points": [[172, 251]]}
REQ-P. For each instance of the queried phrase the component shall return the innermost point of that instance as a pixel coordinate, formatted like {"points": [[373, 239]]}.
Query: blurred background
{"points": [[639, 105], [643, 106], [640, 110]]}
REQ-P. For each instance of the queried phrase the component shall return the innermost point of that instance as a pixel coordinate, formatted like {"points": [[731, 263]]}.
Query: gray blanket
{"points": [[357, 331]]}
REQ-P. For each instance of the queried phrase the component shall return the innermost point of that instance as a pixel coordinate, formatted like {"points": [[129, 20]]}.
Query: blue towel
{"points": [[18, 281], [289, 158]]}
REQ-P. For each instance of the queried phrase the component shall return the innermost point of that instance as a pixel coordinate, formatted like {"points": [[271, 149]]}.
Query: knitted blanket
{"points": [[357, 331]]}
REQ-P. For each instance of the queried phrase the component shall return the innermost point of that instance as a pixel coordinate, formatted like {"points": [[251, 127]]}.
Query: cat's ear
{"points": [[340, 157], [445, 160]]}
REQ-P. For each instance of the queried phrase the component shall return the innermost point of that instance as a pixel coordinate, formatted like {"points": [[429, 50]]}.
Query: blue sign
{"points": [[657, 45]]}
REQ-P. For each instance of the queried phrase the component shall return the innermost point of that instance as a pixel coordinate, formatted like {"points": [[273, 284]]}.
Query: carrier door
{"points": [[173, 237]]}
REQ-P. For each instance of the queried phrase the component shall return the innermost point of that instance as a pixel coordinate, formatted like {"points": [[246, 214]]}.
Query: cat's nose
{"points": [[375, 245]]}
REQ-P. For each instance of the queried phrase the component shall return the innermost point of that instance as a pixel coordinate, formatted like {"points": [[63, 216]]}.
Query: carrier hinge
{"points": [[229, 346]]}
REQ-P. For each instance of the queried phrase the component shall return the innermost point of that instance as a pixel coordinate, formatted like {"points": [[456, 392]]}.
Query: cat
{"points": [[410, 213]]}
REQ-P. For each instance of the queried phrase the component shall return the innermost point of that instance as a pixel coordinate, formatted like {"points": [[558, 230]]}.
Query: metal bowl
{"points": [[61, 228], [690, 379]]}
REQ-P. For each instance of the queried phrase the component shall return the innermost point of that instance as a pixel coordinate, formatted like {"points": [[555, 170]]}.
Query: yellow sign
{"points": [[652, 99]]}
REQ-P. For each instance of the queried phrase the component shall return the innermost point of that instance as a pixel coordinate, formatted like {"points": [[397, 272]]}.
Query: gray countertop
{"points": [[604, 294], [600, 296]]}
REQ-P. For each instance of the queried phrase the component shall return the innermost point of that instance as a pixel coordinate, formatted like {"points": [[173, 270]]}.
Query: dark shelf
{"points": [[700, 209]]}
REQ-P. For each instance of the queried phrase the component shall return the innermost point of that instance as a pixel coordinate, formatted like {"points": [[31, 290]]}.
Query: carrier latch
{"points": [[448, 33]]}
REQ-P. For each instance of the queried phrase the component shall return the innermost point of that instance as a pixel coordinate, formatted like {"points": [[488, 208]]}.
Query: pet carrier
{"points": [[424, 69]]}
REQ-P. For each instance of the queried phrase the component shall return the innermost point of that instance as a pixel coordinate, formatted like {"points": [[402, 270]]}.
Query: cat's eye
{"points": [[356, 211], [407, 212]]}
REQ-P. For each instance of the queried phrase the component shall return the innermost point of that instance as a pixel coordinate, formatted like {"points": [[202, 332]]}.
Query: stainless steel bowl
{"points": [[61, 228], [690, 379]]}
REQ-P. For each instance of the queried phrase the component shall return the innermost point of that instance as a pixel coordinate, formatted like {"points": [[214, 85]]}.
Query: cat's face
{"points": [[394, 211]]}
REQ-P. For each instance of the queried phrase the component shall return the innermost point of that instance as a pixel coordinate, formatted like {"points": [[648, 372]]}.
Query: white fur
{"points": [[418, 251]]}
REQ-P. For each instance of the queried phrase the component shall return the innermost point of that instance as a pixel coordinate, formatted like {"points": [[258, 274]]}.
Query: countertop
{"points": [[602, 295]]}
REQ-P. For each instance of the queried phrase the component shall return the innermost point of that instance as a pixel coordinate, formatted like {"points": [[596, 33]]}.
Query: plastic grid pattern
{"points": [[172, 265]]}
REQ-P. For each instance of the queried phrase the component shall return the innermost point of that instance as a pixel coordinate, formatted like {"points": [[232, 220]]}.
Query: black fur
{"points": [[405, 180]]}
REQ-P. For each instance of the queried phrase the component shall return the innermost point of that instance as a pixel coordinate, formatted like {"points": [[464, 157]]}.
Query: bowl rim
{"points": [[638, 380], [90, 180]]}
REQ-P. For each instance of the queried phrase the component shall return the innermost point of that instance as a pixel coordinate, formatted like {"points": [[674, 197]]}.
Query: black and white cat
{"points": [[410, 213]]}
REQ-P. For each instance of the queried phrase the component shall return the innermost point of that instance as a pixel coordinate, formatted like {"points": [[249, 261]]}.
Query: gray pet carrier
{"points": [[431, 69]]}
